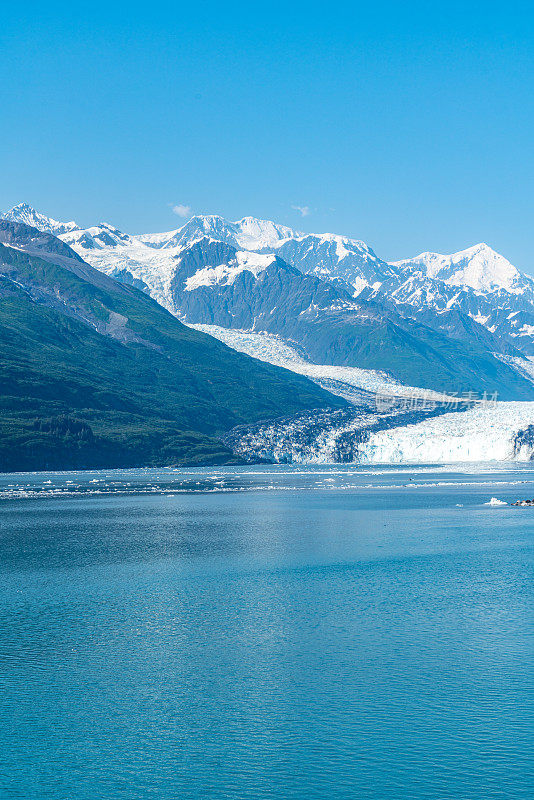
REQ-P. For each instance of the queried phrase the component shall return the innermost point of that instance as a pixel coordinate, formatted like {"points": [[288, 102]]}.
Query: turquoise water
{"points": [[267, 633]]}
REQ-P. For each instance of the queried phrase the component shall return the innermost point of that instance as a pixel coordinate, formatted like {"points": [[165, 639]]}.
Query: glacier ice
{"points": [[479, 434], [347, 382]]}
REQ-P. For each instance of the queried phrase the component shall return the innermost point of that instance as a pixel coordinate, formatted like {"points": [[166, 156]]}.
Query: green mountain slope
{"points": [[415, 354], [96, 373]]}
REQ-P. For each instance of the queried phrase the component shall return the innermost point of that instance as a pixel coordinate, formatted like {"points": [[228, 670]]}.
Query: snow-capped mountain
{"points": [[98, 237], [464, 321], [328, 256], [477, 282], [29, 216], [214, 284], [150, 260], [245, 234], [478, 267], [332, 257]]}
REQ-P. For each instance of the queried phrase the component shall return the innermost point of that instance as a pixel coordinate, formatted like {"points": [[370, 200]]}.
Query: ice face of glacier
{"points": [[479, 434], [504, 432], [319, 437]]}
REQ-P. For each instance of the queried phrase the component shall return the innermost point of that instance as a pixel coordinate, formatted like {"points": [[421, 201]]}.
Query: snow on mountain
{"points": [[29, 216], [98, 237], [477, 282], [156, 240], [479, 434], [333, 257], [151, 260], [225, 274], [257, 234], [478, 267], [245, 234], [328, 256], [128, 258]]}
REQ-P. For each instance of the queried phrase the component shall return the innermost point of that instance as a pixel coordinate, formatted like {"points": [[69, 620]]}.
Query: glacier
{"points": [[501, 433], [483, 432], [348, 382], [478, 434]]}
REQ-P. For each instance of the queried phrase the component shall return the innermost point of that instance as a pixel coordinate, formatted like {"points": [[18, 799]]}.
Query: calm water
{"points": [[267, 633]]}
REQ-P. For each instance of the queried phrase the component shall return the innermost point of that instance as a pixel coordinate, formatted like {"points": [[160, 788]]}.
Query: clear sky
{"points": [[408, 125]]}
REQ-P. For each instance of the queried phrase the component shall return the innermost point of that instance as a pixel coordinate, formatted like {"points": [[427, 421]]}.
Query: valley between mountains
{"points": [[247, 340]]}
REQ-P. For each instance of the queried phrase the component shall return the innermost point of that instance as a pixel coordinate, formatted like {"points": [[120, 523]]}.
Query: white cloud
{"points": [[303, 210], [181, 210]]}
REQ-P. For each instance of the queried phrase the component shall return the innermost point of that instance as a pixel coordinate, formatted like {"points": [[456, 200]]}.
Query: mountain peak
{"points": [[260, 233], [22, 208], [27, 215], [478, 267], [480, 248], [248, 233]]}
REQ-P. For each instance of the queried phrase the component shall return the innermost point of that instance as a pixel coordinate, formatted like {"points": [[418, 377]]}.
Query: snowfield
{"points": [[225, 274], [154, 267], [480, 434]]}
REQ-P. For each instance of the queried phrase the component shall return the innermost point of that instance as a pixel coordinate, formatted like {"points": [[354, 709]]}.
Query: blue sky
{"points": [[409, 125]]}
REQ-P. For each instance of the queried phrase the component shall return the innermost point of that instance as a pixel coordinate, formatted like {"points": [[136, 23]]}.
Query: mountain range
{"points": [[95, 373], [458, 323]]}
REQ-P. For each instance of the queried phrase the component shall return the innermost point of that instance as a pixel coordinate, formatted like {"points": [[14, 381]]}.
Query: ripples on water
{"points": [[267, 633], [235, 479]]}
